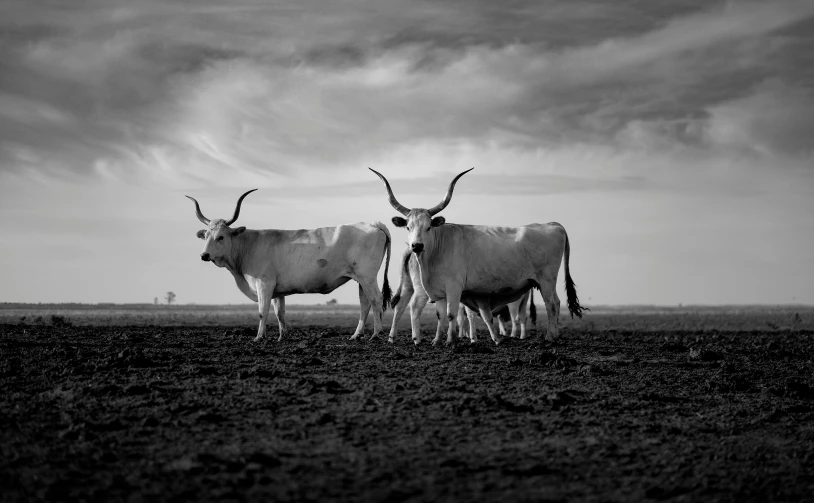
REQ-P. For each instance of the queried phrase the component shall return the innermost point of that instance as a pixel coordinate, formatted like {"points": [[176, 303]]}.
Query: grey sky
{"points": [[672, 139]]}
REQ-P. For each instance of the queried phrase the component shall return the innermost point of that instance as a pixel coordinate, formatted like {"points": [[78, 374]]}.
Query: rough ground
{"points": [[202, 413]]}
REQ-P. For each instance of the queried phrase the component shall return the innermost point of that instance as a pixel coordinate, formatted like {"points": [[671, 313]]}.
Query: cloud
{"points": [[280, 93]]}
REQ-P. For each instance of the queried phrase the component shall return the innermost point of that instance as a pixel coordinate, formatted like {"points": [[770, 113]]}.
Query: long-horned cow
{"points": [[485, 267], [270, 264], [411, 294]]}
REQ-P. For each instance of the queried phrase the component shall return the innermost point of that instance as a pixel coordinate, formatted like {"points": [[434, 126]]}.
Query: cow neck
{"points": [[242, 246], [430, 258]]}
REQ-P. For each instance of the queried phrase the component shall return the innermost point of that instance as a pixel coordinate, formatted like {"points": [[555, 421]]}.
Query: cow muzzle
{"points": [[418, 248], [205, 257]]}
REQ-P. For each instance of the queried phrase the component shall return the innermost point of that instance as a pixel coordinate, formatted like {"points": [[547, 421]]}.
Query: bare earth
{"points": [[689, 405]]}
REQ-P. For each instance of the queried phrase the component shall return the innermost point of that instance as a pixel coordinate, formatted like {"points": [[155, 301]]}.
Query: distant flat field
{"points": [[600, 318]]}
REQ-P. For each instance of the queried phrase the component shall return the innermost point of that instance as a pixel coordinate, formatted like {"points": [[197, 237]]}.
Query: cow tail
{"points": [[404, 272], [532, 309], [570, 287], [386, 293]]}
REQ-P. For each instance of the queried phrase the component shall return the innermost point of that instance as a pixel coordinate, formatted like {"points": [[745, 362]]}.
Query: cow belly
{"points": [[497, 299], [313, 285]]}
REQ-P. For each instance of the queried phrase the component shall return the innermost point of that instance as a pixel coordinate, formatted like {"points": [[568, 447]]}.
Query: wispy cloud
{"points": [[184, 92]]}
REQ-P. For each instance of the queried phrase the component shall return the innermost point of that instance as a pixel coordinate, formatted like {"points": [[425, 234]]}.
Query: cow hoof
{"points": [[416, 341], [258, 338], [372, 337], [354, 337]]}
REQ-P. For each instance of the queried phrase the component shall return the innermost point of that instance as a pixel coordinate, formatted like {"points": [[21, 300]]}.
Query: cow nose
{"points": [[205, 257], [418, 247]]}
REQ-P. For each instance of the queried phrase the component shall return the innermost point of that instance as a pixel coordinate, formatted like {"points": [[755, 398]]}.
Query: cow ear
{"points": [[399, 222], [438, 221], [238, 231], [201, 234]]}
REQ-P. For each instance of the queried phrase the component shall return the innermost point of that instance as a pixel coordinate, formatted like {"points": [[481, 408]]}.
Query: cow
{"points": [[411, 293], [514, 311], [270, 264], [485, 266]]}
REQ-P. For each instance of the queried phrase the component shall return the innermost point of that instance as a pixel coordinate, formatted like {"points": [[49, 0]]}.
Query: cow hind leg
{"points": [[441, 311], [406, 294], [279, 311], [364, 310], [548, 290], [473, 335], [376, 300], [522, 315], [486, 314]]}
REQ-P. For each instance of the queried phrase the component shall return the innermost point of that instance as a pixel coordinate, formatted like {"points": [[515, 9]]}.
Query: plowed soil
{"points": [[203, 413]]}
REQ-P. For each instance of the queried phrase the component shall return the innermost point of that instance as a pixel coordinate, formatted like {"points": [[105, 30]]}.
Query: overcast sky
{"points": [[673, 140]]}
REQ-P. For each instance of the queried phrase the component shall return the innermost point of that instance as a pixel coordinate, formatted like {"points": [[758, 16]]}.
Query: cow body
{"points": [[485, 266], [269, 265]]}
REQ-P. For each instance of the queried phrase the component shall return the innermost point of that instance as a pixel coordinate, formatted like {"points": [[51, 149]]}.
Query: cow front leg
{"points": [[364, 310], [279, 311], [265, 290], [441, 311]]}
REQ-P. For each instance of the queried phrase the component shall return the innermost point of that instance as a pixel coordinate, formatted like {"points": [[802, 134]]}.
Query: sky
{"points": [[673, 140]]}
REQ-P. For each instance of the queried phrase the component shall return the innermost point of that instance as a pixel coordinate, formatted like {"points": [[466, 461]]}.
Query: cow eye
{"points": [[220, 238]]}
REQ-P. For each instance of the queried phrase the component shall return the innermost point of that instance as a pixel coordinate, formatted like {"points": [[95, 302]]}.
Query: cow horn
{"points": [[393, 202], [448, 198], [198, 213], [237, 208]]}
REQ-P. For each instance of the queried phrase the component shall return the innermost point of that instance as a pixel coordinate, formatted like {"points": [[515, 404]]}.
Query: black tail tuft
{"points": [[386, 292], [532, 309], [570, 287]]}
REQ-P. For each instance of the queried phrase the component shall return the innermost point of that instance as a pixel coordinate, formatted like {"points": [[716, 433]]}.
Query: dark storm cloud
{"points": [[119, 88]]}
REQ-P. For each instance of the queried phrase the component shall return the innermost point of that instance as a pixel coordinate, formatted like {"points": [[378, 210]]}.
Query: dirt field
{"points": [[692, 405]]}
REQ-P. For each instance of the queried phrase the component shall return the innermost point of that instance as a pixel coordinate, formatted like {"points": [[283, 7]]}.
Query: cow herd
{"points": [[466, 270]]}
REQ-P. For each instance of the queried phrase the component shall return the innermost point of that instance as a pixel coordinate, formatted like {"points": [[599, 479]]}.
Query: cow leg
{"points": [[264, 292], [438, 326], [441, 310], [486, 314], [513, 314], [470, 314], [398, 310], [417, 303], [374, 296], [548, 291], [461, 322], [279, 311], [524, 312], [452, 305], [500, 326], [364, 310]]}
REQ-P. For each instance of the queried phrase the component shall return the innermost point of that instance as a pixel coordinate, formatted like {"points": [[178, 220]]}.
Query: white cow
{"points": [[269, 264], [485, 266], [411, 293]]}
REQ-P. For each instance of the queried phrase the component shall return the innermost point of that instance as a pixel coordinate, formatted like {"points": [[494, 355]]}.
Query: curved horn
{"points": [[198, 213], [443, 204], [393, 202], [237, 208]]}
